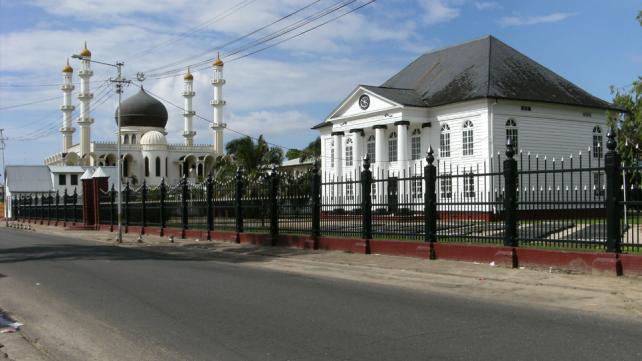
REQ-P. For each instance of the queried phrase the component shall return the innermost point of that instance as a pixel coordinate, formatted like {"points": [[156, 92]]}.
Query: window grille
{"points": [[415, 144], [469, 186], [597, 142], [467, 138], [392, 147], [444, 141], [511, 132], [446, 187]]}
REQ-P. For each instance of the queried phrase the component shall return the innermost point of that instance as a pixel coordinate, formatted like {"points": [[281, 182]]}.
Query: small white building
{"points": [[145, 152], [464, 101], [32, 180]]}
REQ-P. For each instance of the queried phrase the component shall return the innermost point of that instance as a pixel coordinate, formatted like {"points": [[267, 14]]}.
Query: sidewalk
{"points": [[608, 295]]}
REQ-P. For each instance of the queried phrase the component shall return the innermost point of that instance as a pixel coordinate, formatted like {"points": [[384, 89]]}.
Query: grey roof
{"points": [[487, 68], [142, 110], [28, 178], [66, 169], [408, 97]]}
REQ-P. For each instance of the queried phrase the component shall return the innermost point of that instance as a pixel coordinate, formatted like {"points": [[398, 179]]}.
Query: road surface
{"points": [[83, 300]]}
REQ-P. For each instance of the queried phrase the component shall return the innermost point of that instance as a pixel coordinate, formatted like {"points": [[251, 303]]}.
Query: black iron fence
{"points": [[516, 200]]}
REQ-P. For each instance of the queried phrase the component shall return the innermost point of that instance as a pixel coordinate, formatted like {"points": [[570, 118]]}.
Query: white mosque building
{"points": [[145, 152]]}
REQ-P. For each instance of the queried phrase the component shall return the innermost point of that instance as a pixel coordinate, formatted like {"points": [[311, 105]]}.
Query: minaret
{"points": [[67, 87], [218, 103], [85, 120], [188, 94]]}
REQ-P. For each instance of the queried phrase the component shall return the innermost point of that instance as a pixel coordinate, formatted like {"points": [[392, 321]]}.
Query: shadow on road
{"points": [[206, 252]]}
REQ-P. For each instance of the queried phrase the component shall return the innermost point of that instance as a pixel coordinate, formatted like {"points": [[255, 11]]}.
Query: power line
{"points": [[269, 37], [218, 17], [222, 46], [30, 103]]}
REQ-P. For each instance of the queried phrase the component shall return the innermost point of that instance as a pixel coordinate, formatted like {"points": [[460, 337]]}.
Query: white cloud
{"points": [[487, 5], [438, 11], [534, 20]]}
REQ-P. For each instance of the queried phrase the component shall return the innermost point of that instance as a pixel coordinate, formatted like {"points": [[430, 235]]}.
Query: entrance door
{"points": [[393, 190]]}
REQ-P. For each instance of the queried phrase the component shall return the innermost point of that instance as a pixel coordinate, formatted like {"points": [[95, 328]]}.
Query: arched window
{"points": [[125, 167], [392, 147], [597, 142], [126, 139], [511, 132], [166, 169], [348, 152], [158, 166], [133, 138], [467, 138], [146, 167], [199, 170], [444, 141], [370, 148], [415, 144]]}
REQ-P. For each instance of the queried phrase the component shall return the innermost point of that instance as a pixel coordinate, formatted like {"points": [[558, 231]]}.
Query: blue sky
{"points": [[282, 91]]}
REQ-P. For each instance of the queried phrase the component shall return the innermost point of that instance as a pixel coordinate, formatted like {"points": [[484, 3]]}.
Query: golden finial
{"points": [[218, 61], [85, 52], [67, 68], [188, 75]]}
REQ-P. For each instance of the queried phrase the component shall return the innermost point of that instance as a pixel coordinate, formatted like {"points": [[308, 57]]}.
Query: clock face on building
{"points": [[364, 101]]}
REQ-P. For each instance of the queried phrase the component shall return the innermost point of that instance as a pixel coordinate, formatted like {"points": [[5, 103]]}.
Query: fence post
{"points": [[143, 201], [49, 198], [184, 195], [126, 206], [274, 206], [57, 207], [163, 191], [209, 194], [366, 203], [613, 195], [238, 208], [510, 196], [65, 197], [75, 208], [316, 205], [112, 198], [430, 203]]}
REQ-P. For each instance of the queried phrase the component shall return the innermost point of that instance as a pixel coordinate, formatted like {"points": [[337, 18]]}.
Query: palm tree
{"points": [[310, 152], [253, 157]]}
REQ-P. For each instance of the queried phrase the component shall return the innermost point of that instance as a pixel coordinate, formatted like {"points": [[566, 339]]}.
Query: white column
{"points": [[337, 139], [357, 148], [381, 158], [218, 103], [85, 120], [67, 87], [402, 159], [188, 94], [357, 157]]}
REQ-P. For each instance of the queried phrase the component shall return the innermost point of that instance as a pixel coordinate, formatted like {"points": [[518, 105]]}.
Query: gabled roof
{"points": [[28, 178], [406, 97], [487, 68]]}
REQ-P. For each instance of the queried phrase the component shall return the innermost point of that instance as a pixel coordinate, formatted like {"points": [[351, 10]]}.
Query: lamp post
{"points": [[119, 81]]}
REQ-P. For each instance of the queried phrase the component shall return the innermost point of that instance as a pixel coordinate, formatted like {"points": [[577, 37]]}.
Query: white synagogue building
{"points": [[146, 154], [464, 101]]}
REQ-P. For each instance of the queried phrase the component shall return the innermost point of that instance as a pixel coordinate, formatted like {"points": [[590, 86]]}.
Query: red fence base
{"points": [[582, 262]]}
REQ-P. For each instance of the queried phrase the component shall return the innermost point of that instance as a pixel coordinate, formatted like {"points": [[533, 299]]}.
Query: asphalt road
{"points": [[82, 300]]}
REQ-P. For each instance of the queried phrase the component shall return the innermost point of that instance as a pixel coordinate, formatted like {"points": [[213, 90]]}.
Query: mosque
{"points": [[145, 152]]}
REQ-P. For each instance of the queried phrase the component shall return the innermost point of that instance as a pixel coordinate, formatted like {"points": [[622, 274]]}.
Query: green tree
{"points": [[629, 124], [253, 157], [310, 152]]}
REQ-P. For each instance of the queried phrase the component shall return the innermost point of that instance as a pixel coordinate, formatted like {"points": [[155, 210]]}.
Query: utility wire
{"points": [[224, 45], [269, 37], [13, 106], [220, 16]]}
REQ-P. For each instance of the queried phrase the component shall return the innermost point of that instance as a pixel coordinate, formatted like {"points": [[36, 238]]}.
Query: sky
{"points": [[279, 88]]}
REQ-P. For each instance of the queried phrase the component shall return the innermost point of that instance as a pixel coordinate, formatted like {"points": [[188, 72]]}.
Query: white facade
{"points": [[466, 136]]}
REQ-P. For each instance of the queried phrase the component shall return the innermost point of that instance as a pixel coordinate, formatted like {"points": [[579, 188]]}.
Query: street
{"points": [[83, 300]]}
